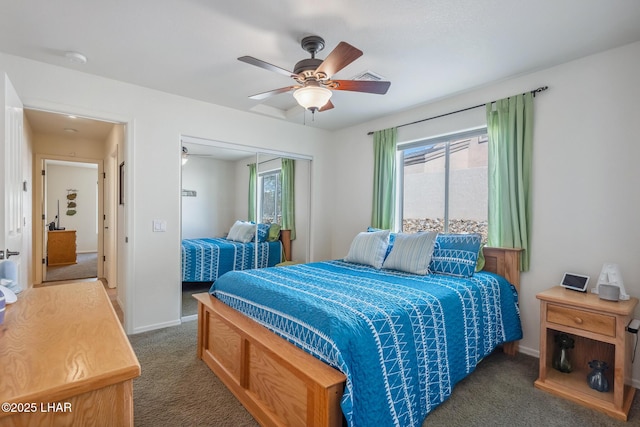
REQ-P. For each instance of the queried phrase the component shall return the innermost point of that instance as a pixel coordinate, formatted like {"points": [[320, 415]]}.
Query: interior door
{"points": [[11, 179]]}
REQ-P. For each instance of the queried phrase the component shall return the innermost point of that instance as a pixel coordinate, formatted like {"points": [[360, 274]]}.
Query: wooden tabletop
{"points": [[588, 300], [59, 341]]}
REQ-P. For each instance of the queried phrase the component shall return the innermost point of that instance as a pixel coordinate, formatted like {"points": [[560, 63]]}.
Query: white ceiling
{"points": [[428, 49]]}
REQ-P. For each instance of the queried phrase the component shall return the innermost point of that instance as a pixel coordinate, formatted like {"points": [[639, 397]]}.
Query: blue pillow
{"points": [[369, 248], [411, 253], [263, 232], [455, 254]]}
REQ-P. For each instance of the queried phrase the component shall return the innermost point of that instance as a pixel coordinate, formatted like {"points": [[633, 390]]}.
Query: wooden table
{"points": [[65, 359]]}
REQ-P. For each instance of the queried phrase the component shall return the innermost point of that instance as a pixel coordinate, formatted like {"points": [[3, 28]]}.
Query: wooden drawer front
{"points": [[580, 319]]}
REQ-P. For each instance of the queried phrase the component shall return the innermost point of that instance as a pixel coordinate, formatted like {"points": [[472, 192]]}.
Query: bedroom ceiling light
{"points": [[185, 155], [312, 97]]}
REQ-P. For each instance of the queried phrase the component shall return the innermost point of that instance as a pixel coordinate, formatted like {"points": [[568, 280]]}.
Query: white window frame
{"points": [[261, 176], [401, 147]]}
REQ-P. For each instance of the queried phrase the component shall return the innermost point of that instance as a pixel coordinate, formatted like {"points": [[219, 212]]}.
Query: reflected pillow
{"points": [[234, 230], [411, 253], [263, 233], [274, 233], [455, 254], [242, 232], [369, 248]]}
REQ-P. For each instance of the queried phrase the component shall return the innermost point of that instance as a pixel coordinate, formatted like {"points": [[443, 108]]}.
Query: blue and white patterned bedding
{"points": [[204, 260], [402, 340]]}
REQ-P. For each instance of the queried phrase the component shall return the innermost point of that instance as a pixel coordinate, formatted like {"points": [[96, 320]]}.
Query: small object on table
{"points": [[596, 378]]}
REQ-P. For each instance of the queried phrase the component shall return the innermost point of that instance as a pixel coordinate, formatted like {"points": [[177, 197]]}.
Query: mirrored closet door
{"points": [[226, 187]]}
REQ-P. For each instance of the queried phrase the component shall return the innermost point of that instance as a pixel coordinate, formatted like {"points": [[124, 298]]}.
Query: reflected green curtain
{"points": [[384, 178], [288, 197], [253, 182], [510, 129]]}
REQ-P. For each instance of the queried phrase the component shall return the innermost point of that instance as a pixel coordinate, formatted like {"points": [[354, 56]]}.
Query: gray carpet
{"points": [[86, 266], [177, 389], [189, 304]]}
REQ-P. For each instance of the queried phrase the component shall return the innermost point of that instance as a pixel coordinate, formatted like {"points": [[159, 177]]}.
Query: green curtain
{"points": [[288, 198], [253, 182], [510, 129], [384, 178]]}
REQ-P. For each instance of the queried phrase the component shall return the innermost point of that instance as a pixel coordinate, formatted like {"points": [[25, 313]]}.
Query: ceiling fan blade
{"points": [[259, 63], [369, 86], [265, 95], [327, 106], [343, 55]]}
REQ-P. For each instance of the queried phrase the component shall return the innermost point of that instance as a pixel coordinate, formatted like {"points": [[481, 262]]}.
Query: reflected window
{"points": [[270, 197]]}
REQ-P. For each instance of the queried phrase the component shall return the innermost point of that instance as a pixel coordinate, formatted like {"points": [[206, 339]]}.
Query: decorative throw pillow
{"points": [[392, 238], [455, 254], [274, 233], [246, 233], [234, 230], [263, 232], [481, 261], [369, 248], [411, 253]]}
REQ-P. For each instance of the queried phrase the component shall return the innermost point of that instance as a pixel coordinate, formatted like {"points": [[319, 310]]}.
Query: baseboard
{"points": [[189, 318], [156, 326], [529, 351]]}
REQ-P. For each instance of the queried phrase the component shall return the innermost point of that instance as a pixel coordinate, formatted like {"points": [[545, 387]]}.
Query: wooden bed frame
{"points": [[278, 383]]}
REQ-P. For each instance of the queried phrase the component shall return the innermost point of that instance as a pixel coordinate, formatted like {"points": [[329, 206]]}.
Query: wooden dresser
{"points": [[61, 247], [65, 359]]}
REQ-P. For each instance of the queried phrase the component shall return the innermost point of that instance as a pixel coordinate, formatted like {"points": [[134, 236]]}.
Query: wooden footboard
{"points": [[278, 383]]}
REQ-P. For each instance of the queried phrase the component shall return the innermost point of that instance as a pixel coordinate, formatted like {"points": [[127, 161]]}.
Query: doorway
{"points": [[70, 203], [74, 196]]}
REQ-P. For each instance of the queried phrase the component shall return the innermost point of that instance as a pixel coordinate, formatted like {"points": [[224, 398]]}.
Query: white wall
{"points": [[60, 178], [585, 171], [155, 123], [211, 212]]}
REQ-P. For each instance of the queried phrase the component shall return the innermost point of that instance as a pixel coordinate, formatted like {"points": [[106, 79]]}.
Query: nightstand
{"points": [[598, 328]]}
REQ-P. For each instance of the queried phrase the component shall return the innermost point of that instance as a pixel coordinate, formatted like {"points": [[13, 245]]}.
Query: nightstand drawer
{"points": [[580, 319]]}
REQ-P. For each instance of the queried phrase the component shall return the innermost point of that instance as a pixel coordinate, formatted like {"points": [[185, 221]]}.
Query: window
{"points": [[270, 197], [443, 184]]}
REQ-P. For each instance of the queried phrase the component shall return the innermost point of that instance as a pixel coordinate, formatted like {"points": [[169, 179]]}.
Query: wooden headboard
{"points": [[505, 262]]}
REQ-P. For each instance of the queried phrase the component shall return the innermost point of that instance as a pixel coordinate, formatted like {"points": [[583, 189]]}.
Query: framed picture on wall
{"points": [[121, 183]]}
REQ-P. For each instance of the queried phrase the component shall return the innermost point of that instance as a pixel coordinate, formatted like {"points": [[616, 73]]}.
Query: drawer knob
{"points": [[579, 321]]}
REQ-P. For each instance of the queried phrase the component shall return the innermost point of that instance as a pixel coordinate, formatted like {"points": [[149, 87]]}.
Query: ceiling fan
{"points": [[313, 76]]}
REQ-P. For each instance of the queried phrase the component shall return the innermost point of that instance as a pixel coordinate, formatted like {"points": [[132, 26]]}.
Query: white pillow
{"points": [[246, 232], [234, 230], [369, 248], [411, 253]]}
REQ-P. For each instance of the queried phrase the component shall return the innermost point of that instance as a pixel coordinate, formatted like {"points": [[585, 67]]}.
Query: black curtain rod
{"points": [[540, 89]]}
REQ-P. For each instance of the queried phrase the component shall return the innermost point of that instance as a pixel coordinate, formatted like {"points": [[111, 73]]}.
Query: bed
{"points": [[281, 384], [203, 260], [206, 259]]}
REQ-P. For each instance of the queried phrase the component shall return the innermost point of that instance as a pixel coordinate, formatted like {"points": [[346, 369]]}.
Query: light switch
{"points": [[159, 225]]}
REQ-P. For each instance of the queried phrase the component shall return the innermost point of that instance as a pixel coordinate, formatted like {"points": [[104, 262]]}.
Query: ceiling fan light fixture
{"points": [[312, 97]]}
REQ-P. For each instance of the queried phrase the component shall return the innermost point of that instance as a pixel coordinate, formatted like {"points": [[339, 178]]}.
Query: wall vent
{"points": [[368, 75]]}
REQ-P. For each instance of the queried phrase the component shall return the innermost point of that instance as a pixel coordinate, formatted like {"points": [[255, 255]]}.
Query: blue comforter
{"points": [[204, 260], [403, 341]]}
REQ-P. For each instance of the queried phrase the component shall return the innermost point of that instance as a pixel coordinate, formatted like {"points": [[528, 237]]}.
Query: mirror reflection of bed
{"points": [[216, 194]]}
